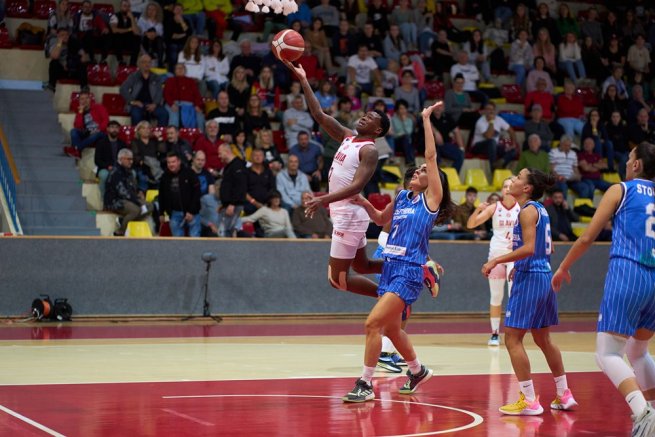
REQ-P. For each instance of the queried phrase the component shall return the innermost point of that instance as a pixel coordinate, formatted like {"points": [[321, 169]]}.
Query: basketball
{"points": [[288, 45]]}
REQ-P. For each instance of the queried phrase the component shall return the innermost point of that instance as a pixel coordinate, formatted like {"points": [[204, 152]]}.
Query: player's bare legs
{"points": [[550, 350], [517, 354], [340, 277], [384, 317]]}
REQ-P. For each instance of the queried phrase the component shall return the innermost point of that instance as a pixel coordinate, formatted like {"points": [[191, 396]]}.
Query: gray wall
{"points": [[165, 276]]}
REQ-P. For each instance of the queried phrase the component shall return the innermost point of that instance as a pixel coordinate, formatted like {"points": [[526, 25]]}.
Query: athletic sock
{"points": [[527, 388], [387, 345], [636, 402], [561, 385], [414, 366], [495, 324], [367, 374]]}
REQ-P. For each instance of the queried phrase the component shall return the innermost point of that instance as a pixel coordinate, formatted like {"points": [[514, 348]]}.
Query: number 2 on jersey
{"points": [[650, 221]]}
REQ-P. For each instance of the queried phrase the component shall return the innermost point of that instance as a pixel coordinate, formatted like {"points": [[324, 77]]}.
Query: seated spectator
{"points": [[152, 18], [561, 217], [191, 58], [264, 141], [267, 91], [208, 201], [345, 115], [361, 68], [639, 56], [487, 133], [536, 74], [106, 156], [209, 143], [570, 110], [591, 60], [520, 21], [296, 120], [146, 156], [273, 219], [291, 183], [153, 46], [416, 66], [326, 96], [570, 58], [564, 164], [242, 148], [89, 126], [232, 192], [122, 195], [545, 49], [471, 77], [217, 68], [591, 164], [217, 11], [496, 36], [591, 27], [144, 94], [521, 57], [442, 54], [316, 226], [540, 97], [642, 130], [611, 103], [255, 118], [408, 93], [537, 125], [250, 62], [373, 41], [617, 132], [296, 90], [175, 144], [478, 54], [59, 18], [534, 157], [320, 46], [226, 116], [194, 12], [184, 104], [463, 213], [260, 180], [310, 159], [638, 79], [450, 144], [613, 54], [179, 198], [67, 59], [402, 125], [595, 130], [616, 79], [394, 44], [329, 14], [343, 46], [177, 29], [91, 30], [124, 33], [309, 63], [404, 16], [566, 22], [636, 103], [355, 102], [458, 105]]}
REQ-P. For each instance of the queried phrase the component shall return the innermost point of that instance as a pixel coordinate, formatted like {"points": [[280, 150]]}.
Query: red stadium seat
{"points": [[126, 134], [248, 227], [279, 141], [18, 9], [122, 72], [159, 132], [5, 41], [512, 93], [75, 101], [379, 201], [190, 134], [99, 74], [588, 95], [165, 230], [434, 89], [114, 104], [43, 8]]}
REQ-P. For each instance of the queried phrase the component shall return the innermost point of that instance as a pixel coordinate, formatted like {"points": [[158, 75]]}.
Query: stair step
{"points": [[57, 218], [50, 202], [49, 174], [45, 230], [49, 188]]}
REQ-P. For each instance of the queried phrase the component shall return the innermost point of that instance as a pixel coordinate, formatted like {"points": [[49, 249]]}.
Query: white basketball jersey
{"points": [[347, 216], [503, 222]]}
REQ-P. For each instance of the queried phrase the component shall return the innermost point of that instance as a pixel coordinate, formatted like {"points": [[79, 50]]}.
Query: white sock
{"points": [[561, 385], [387, 345], [495, 324], [367, 374], [414, 366], [527, 388], [636, 402]]}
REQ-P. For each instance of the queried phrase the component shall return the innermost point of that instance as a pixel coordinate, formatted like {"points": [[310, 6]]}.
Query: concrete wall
{"points": [[165, 276]]}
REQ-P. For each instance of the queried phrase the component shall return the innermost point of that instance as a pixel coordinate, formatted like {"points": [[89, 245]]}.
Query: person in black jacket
{"points": [[179, 197], [106, 156], [561, 217], [233, 190], [121, 193]]}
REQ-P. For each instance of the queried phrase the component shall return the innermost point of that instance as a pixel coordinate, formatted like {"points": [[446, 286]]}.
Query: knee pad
{"points": [[342, 284], [609, 357], [497, 290], [642, 363]]}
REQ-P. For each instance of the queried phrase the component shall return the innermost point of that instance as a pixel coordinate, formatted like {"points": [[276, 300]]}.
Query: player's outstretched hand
{"points": [[559, 276], [428, 111], [312, 206], [300, 72]]}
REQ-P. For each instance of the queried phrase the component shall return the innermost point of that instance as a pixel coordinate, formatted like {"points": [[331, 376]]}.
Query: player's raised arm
{"points": [[434, 192], [330, 124], [481, 214]]}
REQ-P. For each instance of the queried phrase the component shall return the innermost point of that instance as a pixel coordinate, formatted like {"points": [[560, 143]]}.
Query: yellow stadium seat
{"points": [[453, 179], [583, 201], [138, 230], [476, 178], [558, 90], [612, 178], [394, 170], [499, 100], [499, 177], [487, 85], [579, 230], [151, 195]]}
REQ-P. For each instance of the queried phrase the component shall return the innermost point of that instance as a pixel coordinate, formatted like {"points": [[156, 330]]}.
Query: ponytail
{"points": [[540, 182]]}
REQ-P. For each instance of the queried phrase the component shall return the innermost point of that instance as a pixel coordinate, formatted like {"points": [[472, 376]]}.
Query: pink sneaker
{"points": [[564, 402]]}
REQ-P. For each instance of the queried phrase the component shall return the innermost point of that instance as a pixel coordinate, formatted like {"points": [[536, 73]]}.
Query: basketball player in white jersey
{"points": [[503, 214], [353, 166]]}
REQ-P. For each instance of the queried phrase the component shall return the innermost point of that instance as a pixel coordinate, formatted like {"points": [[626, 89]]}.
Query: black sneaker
{"points": [[386, 362], [415, 381], [361, 393]]}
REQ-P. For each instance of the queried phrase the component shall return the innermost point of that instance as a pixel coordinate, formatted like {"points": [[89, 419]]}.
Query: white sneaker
{"points": [[494, 340], [644, 425]]}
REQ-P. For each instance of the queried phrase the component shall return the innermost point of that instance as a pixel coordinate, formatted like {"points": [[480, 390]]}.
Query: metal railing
{"points": [[9, 177]]}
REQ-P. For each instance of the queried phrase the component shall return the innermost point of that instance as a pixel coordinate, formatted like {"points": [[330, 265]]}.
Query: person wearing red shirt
{"points": [[570, 110], [209, 144], [309, 63], [541, 97], [183, 100], [90, 125], [591, 164]]}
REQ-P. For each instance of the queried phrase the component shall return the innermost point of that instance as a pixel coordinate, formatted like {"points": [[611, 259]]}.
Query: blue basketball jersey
{"points": [[633, 233], [540, 260], [410, 228]]}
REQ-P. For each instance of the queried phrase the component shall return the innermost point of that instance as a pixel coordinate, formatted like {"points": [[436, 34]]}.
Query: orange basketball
{"points": [[288, 45]]}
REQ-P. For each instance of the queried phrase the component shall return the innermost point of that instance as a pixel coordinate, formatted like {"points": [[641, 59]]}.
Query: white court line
{"points": [[477, 419], [30, 421], [186, 416]]}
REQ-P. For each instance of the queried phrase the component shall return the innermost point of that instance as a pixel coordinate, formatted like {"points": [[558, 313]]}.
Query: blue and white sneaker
{"points": [[398, 360], [387, 363], [432, 277]]}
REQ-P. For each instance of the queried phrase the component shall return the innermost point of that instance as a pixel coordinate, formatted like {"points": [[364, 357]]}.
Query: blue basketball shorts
{"points": [[629, 299], [533, 303], [402, 279]]}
